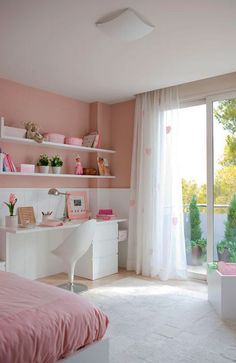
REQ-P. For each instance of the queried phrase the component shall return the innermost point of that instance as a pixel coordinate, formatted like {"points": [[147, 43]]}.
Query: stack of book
{"points": [[105, 214]]}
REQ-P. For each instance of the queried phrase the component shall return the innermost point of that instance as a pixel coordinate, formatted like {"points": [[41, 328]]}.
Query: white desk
{"points": [[27, 252]]}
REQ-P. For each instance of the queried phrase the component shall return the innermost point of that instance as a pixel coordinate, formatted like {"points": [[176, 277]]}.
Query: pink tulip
{"points": [[12, 198]]}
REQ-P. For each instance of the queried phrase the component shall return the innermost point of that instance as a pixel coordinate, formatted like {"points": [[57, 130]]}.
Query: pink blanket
{"points": [[41, 323]]}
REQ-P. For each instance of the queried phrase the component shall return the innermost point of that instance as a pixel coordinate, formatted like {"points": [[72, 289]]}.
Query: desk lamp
{"points": [[56, 192]]}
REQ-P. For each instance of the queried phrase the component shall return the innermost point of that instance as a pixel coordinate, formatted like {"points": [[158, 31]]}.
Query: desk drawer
{"points": [[107, 231], [105, 248], [105, 266]]}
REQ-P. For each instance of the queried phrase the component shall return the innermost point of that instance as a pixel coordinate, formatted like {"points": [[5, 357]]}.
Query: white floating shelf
{"points": [[54, 145], [7, 134], [57, 175]]}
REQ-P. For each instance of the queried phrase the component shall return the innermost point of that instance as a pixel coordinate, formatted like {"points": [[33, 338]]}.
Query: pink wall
{"points": [[19, 103], [122, 115], [55, 113]]}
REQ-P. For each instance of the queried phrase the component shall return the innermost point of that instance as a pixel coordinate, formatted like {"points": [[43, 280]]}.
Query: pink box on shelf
{"points": [[73, 141], [27, 168], [56, 138]]}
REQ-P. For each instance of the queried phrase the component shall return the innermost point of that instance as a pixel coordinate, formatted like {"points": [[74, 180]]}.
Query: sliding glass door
{"points": [[221, 178]]}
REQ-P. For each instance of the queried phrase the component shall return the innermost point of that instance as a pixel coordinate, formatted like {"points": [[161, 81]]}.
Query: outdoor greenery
{"points": [[224, 188], [229, 242], [195, 222], [196, 239], [225, 177]]}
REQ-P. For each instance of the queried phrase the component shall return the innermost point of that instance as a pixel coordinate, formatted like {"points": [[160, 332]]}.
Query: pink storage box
{"points": [[27, 168], [227, 268], [57, 138], [73, 141]]}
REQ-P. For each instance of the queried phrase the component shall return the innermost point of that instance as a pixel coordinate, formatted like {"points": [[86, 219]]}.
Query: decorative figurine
{"points": [[32, 132], [78, 168]]}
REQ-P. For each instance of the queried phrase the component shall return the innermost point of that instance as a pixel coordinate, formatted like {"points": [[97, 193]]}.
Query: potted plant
{"points": [[223, 251], [56, 164], [197, 242], [43, 163], [11, 220]]}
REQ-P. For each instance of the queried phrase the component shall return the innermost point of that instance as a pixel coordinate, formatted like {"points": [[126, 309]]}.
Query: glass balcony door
{"points": [[221, 178]]}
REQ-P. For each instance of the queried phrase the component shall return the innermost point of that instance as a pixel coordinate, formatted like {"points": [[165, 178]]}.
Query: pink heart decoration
{"points": [[148, 151], [132, 203], [174, 221]]}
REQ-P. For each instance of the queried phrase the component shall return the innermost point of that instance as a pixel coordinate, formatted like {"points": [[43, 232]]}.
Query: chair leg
{"points": [[71, 273], [76, 288]]}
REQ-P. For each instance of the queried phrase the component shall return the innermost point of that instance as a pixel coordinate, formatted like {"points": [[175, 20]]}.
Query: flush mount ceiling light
{"points": [[125, 25]]}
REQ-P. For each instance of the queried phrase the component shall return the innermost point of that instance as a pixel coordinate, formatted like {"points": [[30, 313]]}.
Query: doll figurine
{"points": [[78, 168]]}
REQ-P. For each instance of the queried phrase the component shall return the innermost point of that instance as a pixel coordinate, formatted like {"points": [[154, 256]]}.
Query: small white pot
{"points": [[11, 221], [56, 169], [44, 169]]}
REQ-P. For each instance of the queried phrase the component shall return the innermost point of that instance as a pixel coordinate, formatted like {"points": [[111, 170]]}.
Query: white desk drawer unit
{"points": [[27, 252], [2, 265], [102, 257]]}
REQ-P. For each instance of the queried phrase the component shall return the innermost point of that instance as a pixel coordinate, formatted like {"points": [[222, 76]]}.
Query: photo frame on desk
{"points": [[77, 205], [26, 216]]}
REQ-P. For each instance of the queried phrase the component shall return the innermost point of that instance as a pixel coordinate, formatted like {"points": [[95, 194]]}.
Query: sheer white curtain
{"points": [[156, 243]]}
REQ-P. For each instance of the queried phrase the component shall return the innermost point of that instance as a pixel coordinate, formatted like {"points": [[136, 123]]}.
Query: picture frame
{"points": [[77, 205], [26, 216]]}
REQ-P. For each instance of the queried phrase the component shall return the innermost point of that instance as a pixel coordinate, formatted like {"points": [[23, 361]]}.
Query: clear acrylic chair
{"points": [[73, 248]]}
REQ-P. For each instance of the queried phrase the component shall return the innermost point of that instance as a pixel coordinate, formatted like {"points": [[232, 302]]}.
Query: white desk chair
{"points": [[73, 248]]}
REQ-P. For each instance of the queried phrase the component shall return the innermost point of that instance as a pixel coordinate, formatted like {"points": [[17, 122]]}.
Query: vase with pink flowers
{"points": [[11, 220]]}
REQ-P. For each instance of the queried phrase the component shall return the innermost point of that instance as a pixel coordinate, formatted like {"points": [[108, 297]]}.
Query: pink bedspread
{"points": [[41, 323]]}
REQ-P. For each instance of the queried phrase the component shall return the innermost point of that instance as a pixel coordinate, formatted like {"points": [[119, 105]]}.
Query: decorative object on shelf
{"points": [[26, 217], [103, 166], [78, 167], [11, 220], [77, 205], [92, 139], [32, 132], [56, 138], [89, 171], [56, 164], [73, 141], [43, 163], [27, 168], [105, 214]]}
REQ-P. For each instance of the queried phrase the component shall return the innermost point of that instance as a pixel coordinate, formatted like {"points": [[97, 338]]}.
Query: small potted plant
{"points": [[223, 251], [56, 164], [43, 163], [11, 220]]}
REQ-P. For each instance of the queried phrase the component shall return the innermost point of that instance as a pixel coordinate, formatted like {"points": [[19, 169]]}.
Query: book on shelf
{"points": [[6, 163]]}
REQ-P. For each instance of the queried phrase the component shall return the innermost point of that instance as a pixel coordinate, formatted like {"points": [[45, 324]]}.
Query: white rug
{"points": [[156, 323]]}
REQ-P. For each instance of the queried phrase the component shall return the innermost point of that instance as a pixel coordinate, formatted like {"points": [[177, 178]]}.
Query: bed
{"points": [[44, 324]]}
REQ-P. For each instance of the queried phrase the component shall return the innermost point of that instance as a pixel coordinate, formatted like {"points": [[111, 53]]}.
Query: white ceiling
{"points": [[55, 45]]}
